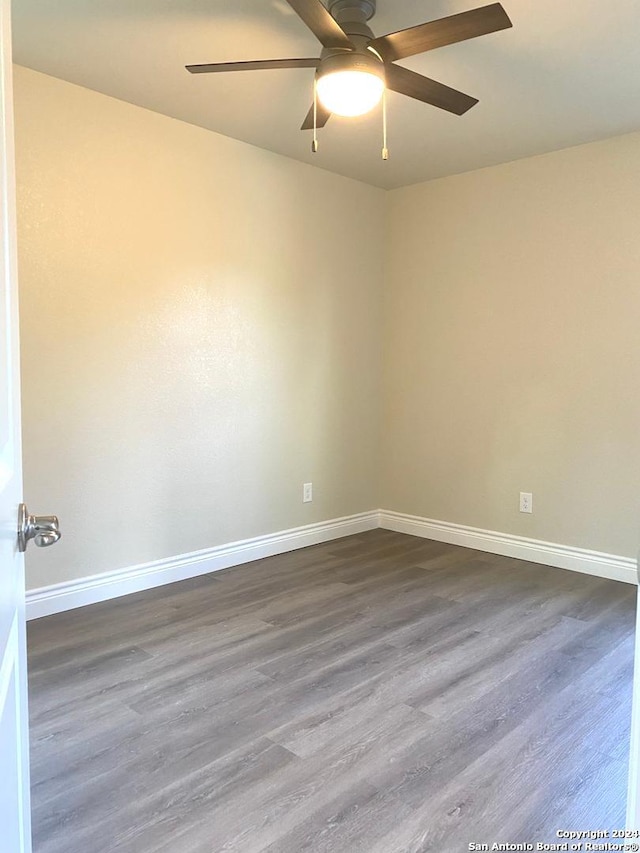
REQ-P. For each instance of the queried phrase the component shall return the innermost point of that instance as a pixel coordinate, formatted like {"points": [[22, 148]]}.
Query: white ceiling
{"points": [[567, 73]]}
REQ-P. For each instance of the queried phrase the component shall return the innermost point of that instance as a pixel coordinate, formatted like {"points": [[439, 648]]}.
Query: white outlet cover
{"points": [[526, 502]]}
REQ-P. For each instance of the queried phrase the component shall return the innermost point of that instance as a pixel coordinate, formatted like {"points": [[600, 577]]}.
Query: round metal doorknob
{"points": [[43, 529]]}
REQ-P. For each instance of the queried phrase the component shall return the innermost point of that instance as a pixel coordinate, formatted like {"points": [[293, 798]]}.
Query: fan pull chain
{"points": [[314, 144], [385, 150]]}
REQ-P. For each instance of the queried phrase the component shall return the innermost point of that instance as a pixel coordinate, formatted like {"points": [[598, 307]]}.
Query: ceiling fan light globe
{"points": [[350, 93]]}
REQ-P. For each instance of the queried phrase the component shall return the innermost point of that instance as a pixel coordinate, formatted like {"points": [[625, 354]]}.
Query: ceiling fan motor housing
{"points": [[352, 15]]}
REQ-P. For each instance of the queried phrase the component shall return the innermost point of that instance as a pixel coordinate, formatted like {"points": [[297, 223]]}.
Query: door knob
{"points": [[43, 529]]}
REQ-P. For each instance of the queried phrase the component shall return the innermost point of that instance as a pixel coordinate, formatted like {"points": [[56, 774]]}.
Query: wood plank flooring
{"points": [[380, 693]]}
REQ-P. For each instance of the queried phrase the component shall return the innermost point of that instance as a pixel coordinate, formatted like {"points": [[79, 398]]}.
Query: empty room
{"points": [[321, 356]]}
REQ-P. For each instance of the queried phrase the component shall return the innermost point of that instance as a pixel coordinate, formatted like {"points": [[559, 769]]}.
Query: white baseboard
{"points": [[597, 563], [90, 590]]}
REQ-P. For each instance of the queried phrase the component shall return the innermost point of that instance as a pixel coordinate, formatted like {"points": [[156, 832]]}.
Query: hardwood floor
{"points": [[379, 693]]}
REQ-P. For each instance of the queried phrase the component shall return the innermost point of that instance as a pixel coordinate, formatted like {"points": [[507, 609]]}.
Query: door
{"points": [[14, 753]]}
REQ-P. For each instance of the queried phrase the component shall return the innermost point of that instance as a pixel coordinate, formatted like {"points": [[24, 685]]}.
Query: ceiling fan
{"points": [[355, 67]]}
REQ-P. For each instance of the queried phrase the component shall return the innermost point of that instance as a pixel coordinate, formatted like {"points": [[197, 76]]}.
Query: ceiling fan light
{"points": [[350, 92]]}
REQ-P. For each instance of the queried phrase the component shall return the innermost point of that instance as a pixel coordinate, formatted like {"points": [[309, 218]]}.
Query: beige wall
{"points": [[512, 359], [200, 333], [204, 328]]}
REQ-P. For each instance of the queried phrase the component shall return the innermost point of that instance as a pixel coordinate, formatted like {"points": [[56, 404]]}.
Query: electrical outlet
{"points": [[307, 493], [526, 502]]}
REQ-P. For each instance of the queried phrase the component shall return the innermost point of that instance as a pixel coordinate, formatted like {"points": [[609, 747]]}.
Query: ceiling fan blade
{"points": [[466, 25], [322, 117], [257, 65], [430, 91], [321, 23]]}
